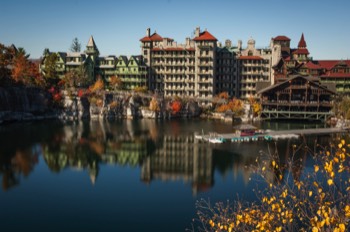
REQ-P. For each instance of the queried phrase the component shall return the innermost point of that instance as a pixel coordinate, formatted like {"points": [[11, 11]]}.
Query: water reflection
{"points": [[165, 151]]}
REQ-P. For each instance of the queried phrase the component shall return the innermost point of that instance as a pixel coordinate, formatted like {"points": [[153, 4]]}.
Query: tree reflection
{"points": [[164, 151]]}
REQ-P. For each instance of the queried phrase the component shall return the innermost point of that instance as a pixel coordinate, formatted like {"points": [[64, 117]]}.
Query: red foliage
{"points": [[57, 97], [81, 93], [176, 106]]}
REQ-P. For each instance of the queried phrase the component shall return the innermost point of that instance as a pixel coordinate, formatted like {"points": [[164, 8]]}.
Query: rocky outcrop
{"points": [[24, 104]]}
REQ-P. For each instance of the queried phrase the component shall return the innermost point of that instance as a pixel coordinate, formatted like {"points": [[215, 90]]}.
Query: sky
{"points": [[118, 25]]}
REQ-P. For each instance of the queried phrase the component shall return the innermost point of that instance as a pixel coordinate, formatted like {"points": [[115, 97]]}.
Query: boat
{"points": [[216, 140]]}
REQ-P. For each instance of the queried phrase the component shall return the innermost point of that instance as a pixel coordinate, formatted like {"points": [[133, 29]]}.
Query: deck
{"points": [[268, 135]]}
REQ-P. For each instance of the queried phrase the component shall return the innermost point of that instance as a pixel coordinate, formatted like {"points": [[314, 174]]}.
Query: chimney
{"points": [[239, 44], [198, 30], [148, 32], [187, 42], [228, 43]]}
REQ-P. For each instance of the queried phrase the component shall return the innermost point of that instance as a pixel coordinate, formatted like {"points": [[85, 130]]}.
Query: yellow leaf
{"points": [[273, 163], [317, 168], [329, 182], [310, 193], [340, 145], [342, 227], [343, 141], [314, 229]]}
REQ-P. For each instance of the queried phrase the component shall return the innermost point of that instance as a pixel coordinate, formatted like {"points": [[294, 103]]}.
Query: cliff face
{"points": [[24, 103]]}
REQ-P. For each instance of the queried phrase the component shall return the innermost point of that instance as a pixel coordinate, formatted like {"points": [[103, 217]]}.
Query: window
{"points": [[145, 52]]}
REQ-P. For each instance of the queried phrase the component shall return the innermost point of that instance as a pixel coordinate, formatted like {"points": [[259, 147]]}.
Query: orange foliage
{"points": [[235, 105], [26, 72], [116, 82], [97, 86], [223, 95], [176, 106]]}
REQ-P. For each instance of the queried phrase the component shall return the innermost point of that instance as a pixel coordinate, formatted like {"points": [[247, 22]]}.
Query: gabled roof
{"points": [[312, 65], [135, 59], [63, 55], [302, 43], [205, 36], [281, 38], [124, 59], [153, 37], [307, 78]]}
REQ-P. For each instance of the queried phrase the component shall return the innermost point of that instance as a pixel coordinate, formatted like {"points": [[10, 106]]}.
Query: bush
{"points": [[316, 200]]}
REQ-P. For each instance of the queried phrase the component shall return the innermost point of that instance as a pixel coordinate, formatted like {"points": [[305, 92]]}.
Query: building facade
{"points": [[132, 71], [186, 70], [335, 74], [201, 67], [299, 97]]}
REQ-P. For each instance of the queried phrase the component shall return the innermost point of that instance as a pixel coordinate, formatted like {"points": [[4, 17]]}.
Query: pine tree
{"points": [[76, 46]]}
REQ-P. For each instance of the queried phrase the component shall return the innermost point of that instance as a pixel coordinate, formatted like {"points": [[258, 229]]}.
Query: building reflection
{"points": [[162, 151], [180, 158]]}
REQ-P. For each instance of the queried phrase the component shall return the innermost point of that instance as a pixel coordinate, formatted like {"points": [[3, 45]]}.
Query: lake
{"points": [[128, 175]]}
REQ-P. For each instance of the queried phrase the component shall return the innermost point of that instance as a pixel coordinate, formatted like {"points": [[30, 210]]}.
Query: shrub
{"points": [[317, 200]]}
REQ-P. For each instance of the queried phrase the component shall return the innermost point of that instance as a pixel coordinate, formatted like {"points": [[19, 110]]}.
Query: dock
{"points": [[267, 135]]}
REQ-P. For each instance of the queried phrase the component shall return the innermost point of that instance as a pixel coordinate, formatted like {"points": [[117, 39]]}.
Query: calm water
{"points": [[122, 176]]}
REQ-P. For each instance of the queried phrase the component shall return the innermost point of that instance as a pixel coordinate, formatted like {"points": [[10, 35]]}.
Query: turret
{"points": [[91, 49]]}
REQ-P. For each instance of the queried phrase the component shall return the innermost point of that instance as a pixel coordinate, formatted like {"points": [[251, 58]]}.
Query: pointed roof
{"points": [[205, 36], [91, 42], [153, 37], [302, 43]]}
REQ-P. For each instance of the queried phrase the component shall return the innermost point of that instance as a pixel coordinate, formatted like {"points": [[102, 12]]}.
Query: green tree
{"points": [[76, 46], [22, 51], [49, 69]]}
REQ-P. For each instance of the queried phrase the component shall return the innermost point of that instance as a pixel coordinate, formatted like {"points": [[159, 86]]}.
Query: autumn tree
{"points": [[141, 89], [116, 82], [96, 94], [20, 69], [6, 55], [255, 106], [154, 105], [176, 106], [76, 46], [97, 86]]}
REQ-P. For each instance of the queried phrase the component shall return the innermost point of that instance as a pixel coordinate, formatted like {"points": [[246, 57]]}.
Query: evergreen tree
{"points": [[76, 46]]}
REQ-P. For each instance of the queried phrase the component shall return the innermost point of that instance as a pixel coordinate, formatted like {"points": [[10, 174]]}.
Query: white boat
{"points": [[215, 140]]}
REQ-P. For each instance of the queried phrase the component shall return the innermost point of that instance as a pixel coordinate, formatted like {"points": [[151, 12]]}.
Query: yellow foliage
{"points": [[310, 204], [154, 106]]}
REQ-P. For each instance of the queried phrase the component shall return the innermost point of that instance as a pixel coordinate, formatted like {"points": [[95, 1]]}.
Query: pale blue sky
{"points": [[118, 25]]}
